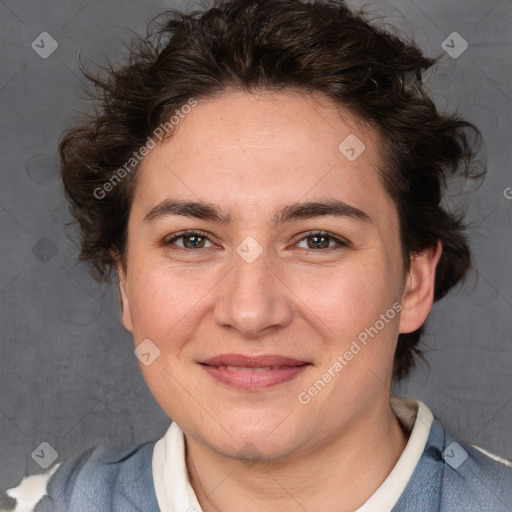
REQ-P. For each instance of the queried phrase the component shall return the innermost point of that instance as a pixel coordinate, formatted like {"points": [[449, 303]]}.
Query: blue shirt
{"points": [[450, 476]]}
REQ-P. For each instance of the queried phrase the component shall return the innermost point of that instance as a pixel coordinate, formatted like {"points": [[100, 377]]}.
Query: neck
{"points": [[339, 475]]}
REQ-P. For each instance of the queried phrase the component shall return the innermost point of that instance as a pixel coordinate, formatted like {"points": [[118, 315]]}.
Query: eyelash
{"points": [[340, 243], [185, 234]]}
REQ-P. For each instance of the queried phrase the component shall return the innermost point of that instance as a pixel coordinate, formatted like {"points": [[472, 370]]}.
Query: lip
{"points": [[253, 373], [252, 361]]}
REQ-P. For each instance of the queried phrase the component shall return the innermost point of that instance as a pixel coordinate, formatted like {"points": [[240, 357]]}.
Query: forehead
{"points": [[253, 151]]}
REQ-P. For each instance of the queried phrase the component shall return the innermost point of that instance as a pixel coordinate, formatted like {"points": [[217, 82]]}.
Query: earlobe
{"points": [[123, 296], [418, 295]]}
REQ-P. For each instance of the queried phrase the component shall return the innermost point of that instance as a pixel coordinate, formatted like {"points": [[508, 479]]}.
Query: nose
{"points": [[252, 298]]}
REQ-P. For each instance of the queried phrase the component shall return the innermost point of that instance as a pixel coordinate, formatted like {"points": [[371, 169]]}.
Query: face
{"points": [[263, 263]]}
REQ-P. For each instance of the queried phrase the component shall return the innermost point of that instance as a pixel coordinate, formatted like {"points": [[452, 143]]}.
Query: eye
{"points": [[320, 240], [190, 240]]}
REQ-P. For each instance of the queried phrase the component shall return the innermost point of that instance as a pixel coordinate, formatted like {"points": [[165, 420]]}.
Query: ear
{"points": [[418, 295], [123, 296]]}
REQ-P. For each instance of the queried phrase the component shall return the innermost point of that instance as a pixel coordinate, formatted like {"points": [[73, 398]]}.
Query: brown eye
{"points": [[318, 242], [321, 240], [191, 240]]}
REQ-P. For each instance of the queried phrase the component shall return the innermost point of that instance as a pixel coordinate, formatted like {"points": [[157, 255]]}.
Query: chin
{"points": [[252, 452], [257, 439]]}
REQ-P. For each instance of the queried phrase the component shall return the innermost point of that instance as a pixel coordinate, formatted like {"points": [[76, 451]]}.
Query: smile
{"points": [[253, 373]]}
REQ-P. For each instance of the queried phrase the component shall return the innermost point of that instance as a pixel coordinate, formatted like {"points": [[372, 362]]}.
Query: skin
{"points": [[251, 154]]}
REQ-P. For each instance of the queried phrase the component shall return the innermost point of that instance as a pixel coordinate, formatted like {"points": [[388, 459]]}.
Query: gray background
{"points": [[68, 376]]}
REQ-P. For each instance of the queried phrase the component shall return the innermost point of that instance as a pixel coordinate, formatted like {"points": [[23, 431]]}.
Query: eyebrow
{"points": [[195, 209], [295, 211], [330, 207]]}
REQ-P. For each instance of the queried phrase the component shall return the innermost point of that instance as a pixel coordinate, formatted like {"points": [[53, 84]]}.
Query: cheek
{"points": [[351, 297], [163, 302], [355, 314]]}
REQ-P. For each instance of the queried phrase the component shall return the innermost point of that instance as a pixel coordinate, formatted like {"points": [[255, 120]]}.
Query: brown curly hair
{"points": [[273, 45]]}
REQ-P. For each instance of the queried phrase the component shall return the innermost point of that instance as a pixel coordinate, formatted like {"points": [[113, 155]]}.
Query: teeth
{"points": [[248, 368], [253, 368]]}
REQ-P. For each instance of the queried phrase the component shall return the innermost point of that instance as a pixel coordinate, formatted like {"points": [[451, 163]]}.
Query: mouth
{"points": [[253, 373]]}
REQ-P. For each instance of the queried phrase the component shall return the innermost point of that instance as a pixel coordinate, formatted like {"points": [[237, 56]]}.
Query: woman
{"points": [[266, 179]]}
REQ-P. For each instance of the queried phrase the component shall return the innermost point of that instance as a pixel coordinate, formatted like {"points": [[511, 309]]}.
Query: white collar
{"points": [[178, 495], [168, 465], [411, 413]]}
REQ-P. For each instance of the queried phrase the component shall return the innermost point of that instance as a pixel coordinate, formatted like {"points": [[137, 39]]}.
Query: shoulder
{"points": [[453, 475], [102, 478]]}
